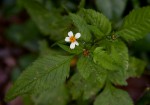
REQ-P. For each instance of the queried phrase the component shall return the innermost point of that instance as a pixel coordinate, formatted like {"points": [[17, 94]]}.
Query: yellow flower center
{"points": [[72, 39]]}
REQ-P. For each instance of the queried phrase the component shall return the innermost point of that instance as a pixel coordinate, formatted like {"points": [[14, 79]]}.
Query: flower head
{"points": [[72, 39]]}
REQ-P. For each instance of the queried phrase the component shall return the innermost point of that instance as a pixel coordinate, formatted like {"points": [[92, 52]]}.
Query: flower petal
{"points": [[77, 35], [72, 45], [70, 33], [67, 39], [76, 43]]}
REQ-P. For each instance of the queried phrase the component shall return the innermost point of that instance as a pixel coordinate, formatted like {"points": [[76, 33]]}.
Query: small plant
{"points": [[103, 59]]}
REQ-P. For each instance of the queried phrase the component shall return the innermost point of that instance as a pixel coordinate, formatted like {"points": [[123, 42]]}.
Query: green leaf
{"points": [[47, 72], [49, 22], [44, 49], [77, 50], [79, 87], [136, 24], [111, 55], [96, 19], [136, 67], [87, 67], [82, 26], [75, 84], [27, 100], [118, 77], [142, 45], [113, 9], [113, 96], [96, 32], [82, 4], [58, 96]]}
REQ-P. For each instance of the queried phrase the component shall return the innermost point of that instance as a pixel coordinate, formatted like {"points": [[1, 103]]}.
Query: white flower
{"points": [[72, 39]]}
